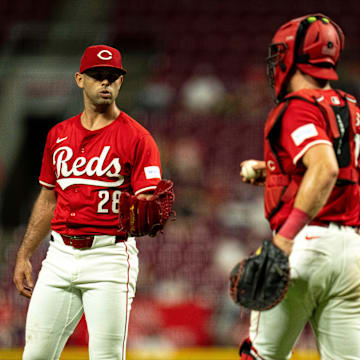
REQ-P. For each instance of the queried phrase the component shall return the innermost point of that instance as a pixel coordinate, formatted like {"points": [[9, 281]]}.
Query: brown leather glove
{"points": [[140, 217]]}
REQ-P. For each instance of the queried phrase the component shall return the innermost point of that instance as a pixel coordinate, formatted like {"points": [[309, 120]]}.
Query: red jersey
{"points": [[301, 126], [89, 169]]}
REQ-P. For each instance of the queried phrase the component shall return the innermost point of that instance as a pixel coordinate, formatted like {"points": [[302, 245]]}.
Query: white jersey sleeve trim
{"points": [[145, 189], [46, 184], [307, 147]]}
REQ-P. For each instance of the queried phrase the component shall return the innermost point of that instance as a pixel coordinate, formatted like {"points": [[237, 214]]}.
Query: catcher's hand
{"points": [[261, 281], [140, 217]]}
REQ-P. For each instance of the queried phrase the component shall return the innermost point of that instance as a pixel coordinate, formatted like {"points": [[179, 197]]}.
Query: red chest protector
{"points": [[342, 121]]}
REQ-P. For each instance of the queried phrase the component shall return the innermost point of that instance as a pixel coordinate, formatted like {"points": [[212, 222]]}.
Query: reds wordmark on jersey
{"points": [[96, 166]]}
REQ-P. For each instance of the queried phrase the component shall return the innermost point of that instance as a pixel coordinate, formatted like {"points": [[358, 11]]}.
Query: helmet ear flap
{"points": [[312, 39]]}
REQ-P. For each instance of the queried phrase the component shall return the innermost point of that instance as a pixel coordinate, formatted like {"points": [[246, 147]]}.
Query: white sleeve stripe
{"points": [[46, 184], [145, 189], [307, 147], [303, 133]]}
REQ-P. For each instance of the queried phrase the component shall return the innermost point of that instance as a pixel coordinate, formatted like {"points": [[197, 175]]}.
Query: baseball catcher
{"points": [[139, 217], [311, 200], [261, 281]]}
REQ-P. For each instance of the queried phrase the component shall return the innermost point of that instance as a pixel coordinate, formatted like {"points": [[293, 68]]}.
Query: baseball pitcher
{"points": [[101, 187]]}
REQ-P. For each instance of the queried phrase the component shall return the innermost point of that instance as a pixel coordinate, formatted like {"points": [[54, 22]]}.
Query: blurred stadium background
{"points": [[196, 79]]}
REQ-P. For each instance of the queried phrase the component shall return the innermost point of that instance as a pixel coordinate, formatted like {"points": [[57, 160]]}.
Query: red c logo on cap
{"points": [[102, 57]]}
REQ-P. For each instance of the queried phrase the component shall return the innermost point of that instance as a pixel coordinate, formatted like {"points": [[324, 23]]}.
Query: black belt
{"points": [[85, 241], [322, 223]]}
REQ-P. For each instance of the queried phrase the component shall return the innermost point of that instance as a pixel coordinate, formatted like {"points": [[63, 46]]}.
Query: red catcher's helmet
{"points": [[311, 43]]}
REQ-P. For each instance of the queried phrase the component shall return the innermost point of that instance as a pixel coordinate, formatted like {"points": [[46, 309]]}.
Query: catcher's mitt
{"points": [[140, 217], [261, 281]]}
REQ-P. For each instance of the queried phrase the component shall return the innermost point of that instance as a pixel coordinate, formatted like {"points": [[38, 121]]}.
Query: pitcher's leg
{"points": [[52, 317], [107, 301], [107, 310]]}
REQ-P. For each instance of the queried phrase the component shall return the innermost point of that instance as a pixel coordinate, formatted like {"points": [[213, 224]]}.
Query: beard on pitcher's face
{"points": [[102, 94], [102, 86]]}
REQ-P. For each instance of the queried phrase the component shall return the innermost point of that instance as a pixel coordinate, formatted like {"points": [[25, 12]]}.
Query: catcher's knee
{"points": [[248, 352]]}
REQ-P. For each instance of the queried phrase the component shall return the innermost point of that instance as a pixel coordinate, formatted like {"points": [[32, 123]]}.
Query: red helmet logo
{"points": [[311, 43]]}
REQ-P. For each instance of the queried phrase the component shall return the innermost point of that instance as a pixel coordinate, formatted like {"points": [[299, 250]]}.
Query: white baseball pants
{"points": [[99, 281], [325, 290]]}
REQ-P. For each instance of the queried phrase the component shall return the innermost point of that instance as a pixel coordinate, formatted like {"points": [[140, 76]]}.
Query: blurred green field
{"points": [[183, 354]]}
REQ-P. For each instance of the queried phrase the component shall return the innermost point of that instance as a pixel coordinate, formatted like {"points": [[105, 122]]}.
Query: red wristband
{"points": [[294, 223]]}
